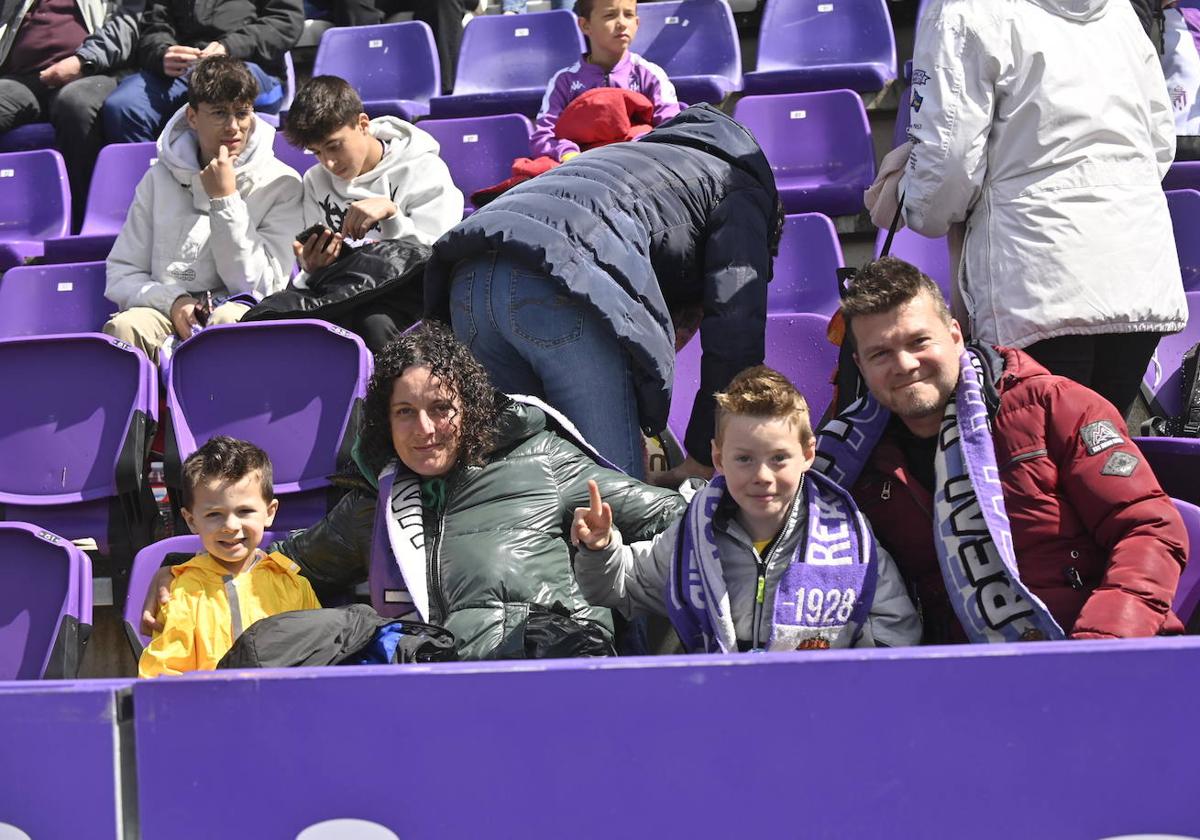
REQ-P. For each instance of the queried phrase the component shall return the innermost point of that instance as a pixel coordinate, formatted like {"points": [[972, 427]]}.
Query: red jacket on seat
{"points": [[1095, 536]]}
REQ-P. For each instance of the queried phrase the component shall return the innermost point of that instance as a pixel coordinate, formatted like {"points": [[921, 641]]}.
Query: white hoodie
{"points": [[1046, 125], [410, 173], [176, 240]]}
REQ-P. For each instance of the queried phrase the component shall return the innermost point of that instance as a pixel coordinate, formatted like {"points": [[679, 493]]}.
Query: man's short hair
{"points": [[760, 391], [322, 106], [221, 80], [227, 459], [884, 285]]}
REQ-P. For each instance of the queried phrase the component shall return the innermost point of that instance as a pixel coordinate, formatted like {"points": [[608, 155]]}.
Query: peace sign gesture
{"points": [[592, 526]]}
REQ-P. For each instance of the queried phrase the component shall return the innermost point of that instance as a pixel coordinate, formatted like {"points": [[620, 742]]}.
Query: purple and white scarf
{"points": [[971, 529], [824, 596]]}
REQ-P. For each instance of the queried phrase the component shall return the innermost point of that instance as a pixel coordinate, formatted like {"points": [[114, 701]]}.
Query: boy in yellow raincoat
{"points": [[229, 502]]}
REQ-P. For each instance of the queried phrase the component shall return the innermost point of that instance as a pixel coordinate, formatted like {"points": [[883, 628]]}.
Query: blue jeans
{"points": [[535, 339], [521, 5], [142, 103]]}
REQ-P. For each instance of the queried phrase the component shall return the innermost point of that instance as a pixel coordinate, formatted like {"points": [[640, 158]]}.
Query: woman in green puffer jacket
{"points": [[481, 490]]}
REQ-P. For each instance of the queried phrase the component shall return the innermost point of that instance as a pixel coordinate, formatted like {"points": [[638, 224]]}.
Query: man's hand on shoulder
{"points": [[365, 213]]}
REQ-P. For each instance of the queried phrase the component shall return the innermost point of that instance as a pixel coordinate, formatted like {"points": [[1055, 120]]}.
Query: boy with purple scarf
{"points": [[768, 556]]}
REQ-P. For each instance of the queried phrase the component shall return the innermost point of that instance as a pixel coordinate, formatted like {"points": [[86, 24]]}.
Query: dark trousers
{"points": [[444, 17], [1112, 365], [383, 319], [73, 110]]}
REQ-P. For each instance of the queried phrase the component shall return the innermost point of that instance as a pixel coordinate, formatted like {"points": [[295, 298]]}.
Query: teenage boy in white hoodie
{"points": [[374, 179], [214, 217]]}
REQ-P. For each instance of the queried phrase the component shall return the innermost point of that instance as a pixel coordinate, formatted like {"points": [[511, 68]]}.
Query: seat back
{"points": [[822, 135], [298, 159], [53, 299], [1164, 374], [1187, 594], [77, 431], [35, 198], [514, 52], [297, 404], [805, 276], [796, 346], [45, 616], [479, 151], [690, 38], [141, 576], [932, 256], [119, 169], [814, 33], [386, 61], [1185, 219]]}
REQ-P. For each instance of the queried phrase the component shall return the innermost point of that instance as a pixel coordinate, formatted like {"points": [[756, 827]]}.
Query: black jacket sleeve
{"points": [[112, 46], [337, 550], [737, 264], [274, 31]]}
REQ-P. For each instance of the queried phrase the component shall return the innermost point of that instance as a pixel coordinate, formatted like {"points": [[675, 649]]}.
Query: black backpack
{"points": [[1188, 423]]}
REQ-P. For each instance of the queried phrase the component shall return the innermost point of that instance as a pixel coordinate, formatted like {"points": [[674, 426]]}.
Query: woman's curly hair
{"points": [[434, 346]]}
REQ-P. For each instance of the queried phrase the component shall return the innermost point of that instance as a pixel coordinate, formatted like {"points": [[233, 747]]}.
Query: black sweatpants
{"points": [[1112, 365]]}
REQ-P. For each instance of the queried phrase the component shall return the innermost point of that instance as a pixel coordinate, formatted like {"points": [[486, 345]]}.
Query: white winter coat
{"points": [[410, 173], [1046, 125], [176, 240]]}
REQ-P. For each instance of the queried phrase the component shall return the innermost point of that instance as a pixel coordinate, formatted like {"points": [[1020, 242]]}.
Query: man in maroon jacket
{"points": [[1095, 538]]}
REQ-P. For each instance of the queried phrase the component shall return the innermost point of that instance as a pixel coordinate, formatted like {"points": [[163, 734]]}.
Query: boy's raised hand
{"points": [[218, 177], [592, 526]]}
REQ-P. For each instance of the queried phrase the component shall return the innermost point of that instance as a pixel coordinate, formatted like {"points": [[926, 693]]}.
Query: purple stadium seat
{"points": [[394, 66], [696, 43], [1163, 373], [302, 411], [480, 150], [298, 159], [28, 137], [35, 202], [507, 61], [53, 299], [1187, 595], [1185, 219], [1183, 175], [72, 445], [796, 347], [147, 562], [808, 45], [45, 604], [819, 146], [806, 269], [119, 169], [932, 256], [1175, 460]]}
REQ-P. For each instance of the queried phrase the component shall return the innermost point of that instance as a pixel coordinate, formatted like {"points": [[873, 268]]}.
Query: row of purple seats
{"points": [[45, 604]]}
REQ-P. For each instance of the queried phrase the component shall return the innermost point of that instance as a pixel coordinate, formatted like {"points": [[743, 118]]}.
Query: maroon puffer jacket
{"points": [[1096, 538]]}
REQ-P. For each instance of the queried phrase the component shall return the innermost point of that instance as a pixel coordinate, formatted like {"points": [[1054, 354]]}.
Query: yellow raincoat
{"points": [[209, 609]]}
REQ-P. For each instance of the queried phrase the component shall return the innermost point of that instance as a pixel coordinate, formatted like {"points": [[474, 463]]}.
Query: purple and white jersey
{"points": [[631, 73]]}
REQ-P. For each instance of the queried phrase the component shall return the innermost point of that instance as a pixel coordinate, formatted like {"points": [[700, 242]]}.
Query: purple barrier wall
{"points": [[58, 759], [1064, 740]]}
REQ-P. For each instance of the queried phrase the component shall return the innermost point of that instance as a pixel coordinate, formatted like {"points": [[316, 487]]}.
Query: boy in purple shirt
{"points": [[610, 26]]}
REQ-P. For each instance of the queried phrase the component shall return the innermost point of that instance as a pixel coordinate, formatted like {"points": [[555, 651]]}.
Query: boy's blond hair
{"points": [[760, 391]]}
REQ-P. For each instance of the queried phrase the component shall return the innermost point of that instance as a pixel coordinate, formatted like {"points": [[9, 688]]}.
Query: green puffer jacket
{"points": [[504, 536]]}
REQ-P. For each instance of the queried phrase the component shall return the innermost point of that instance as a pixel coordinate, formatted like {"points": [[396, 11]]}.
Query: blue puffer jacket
{"points": [[679, 219]]}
